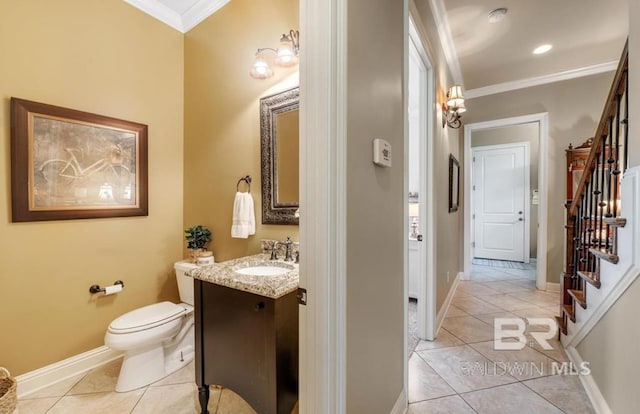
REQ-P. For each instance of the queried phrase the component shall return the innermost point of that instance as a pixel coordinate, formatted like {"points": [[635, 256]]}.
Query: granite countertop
{"points": [[270, 286]]}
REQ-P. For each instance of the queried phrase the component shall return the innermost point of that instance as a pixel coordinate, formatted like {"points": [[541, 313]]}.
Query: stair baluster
{"points": [[592, 212], [615, 152]]}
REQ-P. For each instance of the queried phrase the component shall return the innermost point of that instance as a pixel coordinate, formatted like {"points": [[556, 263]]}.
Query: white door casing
{"points": [[426, 285], [323, 102], [500, 199], [543, 160]]}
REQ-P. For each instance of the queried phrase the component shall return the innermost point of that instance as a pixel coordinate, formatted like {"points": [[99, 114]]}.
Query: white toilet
{"points": [[157, 339]]}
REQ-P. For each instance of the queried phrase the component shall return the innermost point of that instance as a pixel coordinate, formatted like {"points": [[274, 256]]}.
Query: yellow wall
{"points": [[106, 57], [222, 116]]}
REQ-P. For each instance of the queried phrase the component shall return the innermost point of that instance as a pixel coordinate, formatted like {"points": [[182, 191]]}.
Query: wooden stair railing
{"points": [[592, 213]]}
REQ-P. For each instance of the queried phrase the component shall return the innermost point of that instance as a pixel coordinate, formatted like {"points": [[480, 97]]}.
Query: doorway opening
{"points": [[506, 189], [420, 281]]}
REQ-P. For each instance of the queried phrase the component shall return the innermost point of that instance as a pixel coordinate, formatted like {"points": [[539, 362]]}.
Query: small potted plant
{"points": [[197, 239]]}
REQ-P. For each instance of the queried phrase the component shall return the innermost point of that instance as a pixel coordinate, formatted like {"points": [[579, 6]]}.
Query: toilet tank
{"points": [[185, 283]]}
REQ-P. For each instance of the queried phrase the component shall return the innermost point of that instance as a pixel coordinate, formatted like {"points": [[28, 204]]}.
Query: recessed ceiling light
{"points": [[542, 49], [497, 15]]}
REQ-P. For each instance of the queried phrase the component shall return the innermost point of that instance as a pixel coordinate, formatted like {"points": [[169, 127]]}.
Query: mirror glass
{"points": [[287, 152], [279, 133]]}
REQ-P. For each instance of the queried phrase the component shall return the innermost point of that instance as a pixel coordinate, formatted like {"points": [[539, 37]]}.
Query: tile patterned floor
{"points": [[441, 373], [94, 393], [461, 372]]}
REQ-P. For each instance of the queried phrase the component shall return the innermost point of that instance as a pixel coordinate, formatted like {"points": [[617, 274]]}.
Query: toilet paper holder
{"points": [[97, 289]]}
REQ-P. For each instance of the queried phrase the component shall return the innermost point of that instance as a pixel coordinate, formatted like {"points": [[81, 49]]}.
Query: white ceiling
{"points": [[182, 15], [587, 37], [585, 34]]}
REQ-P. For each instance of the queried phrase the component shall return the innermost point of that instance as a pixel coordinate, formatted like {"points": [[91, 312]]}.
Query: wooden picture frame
{"points": [[454, 184], [68, 164]]}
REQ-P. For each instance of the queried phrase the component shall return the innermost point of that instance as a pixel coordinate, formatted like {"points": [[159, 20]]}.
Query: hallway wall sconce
{"points": [[453, 108], [286, 55]]}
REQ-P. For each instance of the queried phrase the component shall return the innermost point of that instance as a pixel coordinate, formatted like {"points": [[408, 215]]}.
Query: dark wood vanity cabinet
{"points": [[249, 344]]}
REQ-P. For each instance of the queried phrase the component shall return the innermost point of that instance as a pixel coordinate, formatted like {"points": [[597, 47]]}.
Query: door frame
{"points": [[426, 312], [543, 161], [527, 189], [323, 155]]}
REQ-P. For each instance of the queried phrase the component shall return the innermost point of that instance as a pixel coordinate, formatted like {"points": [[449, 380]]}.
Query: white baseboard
{"points": [[447, 302], [40, 378], [401, 404], [553, 287], [591, 388]]}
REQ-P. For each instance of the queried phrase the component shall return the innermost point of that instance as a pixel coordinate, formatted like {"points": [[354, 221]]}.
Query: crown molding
{"points": [[541, 80], [181, 22], [159, 11], [446, 39], [200, 11]]}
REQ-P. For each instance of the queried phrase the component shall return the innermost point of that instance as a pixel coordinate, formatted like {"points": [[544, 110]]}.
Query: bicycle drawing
{"points": [[68, 178]]}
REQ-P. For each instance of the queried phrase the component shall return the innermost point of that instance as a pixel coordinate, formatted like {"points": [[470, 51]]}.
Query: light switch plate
{"points": [[381, 152]]}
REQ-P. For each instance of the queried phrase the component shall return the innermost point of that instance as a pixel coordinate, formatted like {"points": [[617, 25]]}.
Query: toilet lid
{"points": [[146, 317]]}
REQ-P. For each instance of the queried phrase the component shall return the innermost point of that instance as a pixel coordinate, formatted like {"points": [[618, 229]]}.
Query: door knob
{"points": [[520, 219], [419, 238], [519, 212]]}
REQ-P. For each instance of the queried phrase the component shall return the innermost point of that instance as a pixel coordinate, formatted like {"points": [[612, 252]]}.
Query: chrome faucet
{"points": [[274, 248], [287, 244]]}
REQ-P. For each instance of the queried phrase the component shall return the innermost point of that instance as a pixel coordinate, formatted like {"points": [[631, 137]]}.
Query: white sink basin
{"points": [[264, 270]]}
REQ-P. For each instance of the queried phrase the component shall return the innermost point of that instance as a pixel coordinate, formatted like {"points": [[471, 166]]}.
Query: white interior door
{"points": [[500, 201]]}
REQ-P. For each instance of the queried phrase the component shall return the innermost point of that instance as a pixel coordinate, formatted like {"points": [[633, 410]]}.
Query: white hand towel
{"points": [[244, 219]]}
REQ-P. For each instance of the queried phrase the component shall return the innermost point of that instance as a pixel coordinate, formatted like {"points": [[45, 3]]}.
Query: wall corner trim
{"points": [[40, 378], [447, 302], [401, 405], [591, 388]]}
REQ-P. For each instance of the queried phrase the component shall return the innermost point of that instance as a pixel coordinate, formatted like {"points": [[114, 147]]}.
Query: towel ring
{"points": [[246, 179]]}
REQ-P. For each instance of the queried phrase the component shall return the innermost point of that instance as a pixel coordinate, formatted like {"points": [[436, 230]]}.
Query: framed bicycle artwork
{"points": [[68, 164]]}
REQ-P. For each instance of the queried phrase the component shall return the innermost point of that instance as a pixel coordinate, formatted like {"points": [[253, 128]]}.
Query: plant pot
{"points": [[194, 255]]}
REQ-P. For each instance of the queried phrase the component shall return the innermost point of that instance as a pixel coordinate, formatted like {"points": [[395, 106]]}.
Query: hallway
{"points": [[462, 373]]}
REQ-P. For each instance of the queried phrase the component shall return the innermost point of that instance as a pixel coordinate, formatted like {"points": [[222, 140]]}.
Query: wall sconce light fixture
{"points": [[286, 55], [453, 108]]}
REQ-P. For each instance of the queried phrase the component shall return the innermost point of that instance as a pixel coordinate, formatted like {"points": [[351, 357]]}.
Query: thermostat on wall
{"points": [[381, 153]]}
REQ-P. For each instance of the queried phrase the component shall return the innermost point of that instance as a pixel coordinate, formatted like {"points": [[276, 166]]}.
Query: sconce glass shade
{"points": [[454, 107], [260, 68], [454, 97], [286, 55]]}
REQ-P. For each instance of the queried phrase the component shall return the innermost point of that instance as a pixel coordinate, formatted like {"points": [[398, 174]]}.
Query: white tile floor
{"points": [[461, 372], [94, 393], [440, 380]]}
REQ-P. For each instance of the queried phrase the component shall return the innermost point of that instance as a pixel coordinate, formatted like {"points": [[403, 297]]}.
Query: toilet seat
{"points": [[148, 317]]}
